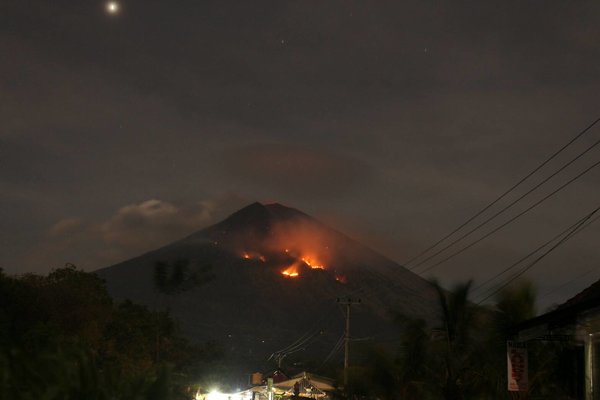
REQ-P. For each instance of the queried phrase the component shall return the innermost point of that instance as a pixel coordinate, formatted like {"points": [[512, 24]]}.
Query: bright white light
{"points": [[112, 7], [215, 395]]}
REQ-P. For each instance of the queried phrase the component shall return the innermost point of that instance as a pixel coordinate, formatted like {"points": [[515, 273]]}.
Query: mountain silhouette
{"points": [[276, 276]]}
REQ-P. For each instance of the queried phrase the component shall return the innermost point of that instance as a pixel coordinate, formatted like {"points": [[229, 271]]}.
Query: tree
{"points": [[171, 279], [455, 341], [412, 359], [443, 362], [63, 337]]}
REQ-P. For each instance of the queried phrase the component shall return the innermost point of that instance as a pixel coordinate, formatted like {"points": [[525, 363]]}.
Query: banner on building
{"points": [[516, 354]]}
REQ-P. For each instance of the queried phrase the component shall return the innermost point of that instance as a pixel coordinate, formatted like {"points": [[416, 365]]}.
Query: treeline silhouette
{"points": [[464, 357], [63, 337]]}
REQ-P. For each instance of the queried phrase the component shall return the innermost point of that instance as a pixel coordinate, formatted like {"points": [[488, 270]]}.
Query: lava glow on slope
{"points": [[252, 255], [292, 263], [291, 271], [292, 248], [311, 262]]}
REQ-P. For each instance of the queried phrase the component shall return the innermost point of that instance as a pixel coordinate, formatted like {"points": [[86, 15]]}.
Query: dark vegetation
{"points": [[63, 337], [465, 356]]}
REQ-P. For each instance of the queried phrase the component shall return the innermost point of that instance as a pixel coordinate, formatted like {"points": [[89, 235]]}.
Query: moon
{"points": [[112, 7]]}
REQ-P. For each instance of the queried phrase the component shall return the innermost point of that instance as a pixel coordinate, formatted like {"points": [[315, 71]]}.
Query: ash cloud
{"points": [[130, 231]]}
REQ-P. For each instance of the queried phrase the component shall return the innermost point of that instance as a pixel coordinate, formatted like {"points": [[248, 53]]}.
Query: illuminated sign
{"points": [[516, 357]]}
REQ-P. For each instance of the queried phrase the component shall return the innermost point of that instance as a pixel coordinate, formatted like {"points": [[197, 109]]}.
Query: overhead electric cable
{"points": [[573, 232], [509, 205], [304, 339], [367, 293], [564, 285], [513, 218], [301, 343], [499, 274], [383, 280], [298, 342], [335, 349], [477, 214]]}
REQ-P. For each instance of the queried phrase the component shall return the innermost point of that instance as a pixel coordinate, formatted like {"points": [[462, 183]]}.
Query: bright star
{"points": [[112, 7]]}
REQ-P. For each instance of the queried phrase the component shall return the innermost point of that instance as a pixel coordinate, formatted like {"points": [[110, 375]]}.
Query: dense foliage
{"points": [[63, 337], [465, 356]]}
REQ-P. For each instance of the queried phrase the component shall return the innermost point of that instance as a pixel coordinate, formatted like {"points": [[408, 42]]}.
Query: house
{"points": [[304, 384], [307, 385], [578, 319]]}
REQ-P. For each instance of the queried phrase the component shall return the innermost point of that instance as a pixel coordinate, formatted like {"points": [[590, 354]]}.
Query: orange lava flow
{"points": [[253, 256], [301, 258], [311, 262], [291, 271]]}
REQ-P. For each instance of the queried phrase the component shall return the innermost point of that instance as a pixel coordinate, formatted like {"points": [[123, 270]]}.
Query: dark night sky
{"points": [[393, 121]]}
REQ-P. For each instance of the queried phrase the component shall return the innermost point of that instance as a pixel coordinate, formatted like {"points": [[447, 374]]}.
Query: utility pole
{"points": [[590, 385], [280, 358], [348, 302]]}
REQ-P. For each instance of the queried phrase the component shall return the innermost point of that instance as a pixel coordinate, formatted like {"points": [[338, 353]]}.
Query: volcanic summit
{"points": [[276, 274]]}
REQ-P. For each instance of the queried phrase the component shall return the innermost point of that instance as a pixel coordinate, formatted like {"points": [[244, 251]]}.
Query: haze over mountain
{"points": [[276, 275]]}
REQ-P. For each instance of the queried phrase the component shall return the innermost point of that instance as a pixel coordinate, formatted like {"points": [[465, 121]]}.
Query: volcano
{"points": [[278, 278]]}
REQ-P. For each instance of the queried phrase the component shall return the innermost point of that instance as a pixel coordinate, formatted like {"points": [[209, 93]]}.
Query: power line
{"points": [[304, 339], [557, 288], [369, 292], [574, 231], [509, 205], [335, 349], [513, 218], [384, 281], [303, 342], [373, 291], [298, 342], [499, 274], [428, 249]]}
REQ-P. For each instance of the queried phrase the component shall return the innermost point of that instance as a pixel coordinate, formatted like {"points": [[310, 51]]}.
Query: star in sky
{"points": [[112, 7]]}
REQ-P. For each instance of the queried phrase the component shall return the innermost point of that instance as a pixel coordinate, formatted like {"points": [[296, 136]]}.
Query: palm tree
{"points": [[455, 340], [550, 363], [513, 304], [439, 363], [413, 359]]}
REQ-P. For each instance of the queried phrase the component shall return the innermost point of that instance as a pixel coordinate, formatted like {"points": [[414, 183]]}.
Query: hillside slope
{"points": [[277, 274]]}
